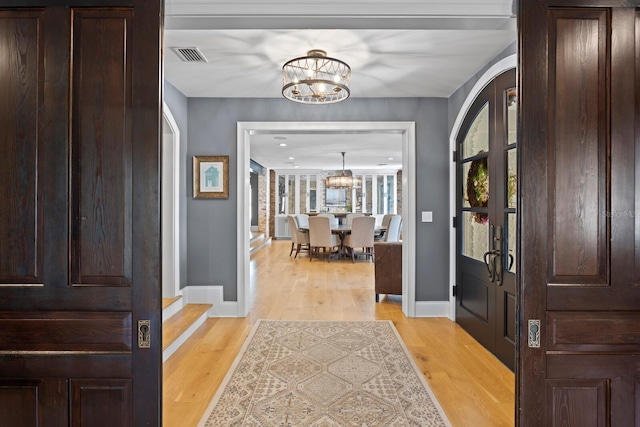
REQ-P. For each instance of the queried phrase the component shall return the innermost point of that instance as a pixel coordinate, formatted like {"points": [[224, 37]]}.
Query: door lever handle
{"points": [[489, 261]]}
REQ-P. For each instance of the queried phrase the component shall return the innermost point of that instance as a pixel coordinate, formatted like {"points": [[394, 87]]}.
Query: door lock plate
{"points": [[534, 333], [144, 335]]}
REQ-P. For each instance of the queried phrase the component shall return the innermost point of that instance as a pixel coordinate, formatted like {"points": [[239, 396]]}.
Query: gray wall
{"points": [[457, 99], [211, 224], [208, 227], [177, 103]]}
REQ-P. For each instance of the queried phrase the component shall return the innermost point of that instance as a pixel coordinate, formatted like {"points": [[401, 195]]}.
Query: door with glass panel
{"points": [[486, 219]]}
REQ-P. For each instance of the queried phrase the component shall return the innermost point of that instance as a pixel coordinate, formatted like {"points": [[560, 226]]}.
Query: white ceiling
{"points": [[411, 48], [313, 151]]}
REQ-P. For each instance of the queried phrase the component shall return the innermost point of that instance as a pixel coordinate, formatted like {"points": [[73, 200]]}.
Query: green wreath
{"points": [[478, 189]]}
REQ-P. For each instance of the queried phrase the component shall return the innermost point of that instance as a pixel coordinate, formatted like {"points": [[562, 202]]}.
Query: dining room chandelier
{"points": [[316, 79], [343, 180]]}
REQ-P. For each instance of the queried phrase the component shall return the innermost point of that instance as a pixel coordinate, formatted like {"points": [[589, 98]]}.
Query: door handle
{"points": [[498, 263], [490, 262]]}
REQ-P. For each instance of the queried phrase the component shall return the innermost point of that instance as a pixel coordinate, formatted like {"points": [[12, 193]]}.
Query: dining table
{"points": [[342, 230]]}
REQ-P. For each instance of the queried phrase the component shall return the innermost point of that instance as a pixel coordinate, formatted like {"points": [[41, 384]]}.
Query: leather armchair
{"points": [[388, 268]]}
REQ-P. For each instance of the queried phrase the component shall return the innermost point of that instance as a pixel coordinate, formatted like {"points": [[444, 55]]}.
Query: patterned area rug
{"points": [[324, 374]]}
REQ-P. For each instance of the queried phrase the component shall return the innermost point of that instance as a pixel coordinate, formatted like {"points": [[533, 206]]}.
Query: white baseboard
{"points": [[432, 308], [211, 295]]}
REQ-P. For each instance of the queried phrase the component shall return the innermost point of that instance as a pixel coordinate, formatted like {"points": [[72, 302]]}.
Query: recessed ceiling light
{"points": [[296, 166], [390, 158], [282, 144], [290, 158]]}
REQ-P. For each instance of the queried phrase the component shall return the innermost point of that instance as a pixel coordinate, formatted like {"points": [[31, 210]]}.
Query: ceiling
{"points": [[410, 48], [321, 150]]}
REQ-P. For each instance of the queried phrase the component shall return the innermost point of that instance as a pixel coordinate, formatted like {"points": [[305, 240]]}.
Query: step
{"points": [[256, 238], [258, 242], [171, 306], [179, 327]]}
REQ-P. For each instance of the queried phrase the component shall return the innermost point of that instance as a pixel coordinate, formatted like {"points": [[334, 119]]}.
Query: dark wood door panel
{"points": [[34, 402], [581, 403], [615, 332], [46, 402], [505, 348], [65, 365], [476, 313], [599, 200], [101, 148], [578, 146], [50, 333], [619, 297], [22, 56], [78, 199], [52, 298], [618, 374], [474, 296], [101, 403], [578, 222]]}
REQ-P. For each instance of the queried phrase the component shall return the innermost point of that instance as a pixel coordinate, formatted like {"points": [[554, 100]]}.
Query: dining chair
{"points": [[299, 238], [385, 224], [351, 216], [321, 237], [303, 220], [332, 218], [361, 236], [393, 229]]}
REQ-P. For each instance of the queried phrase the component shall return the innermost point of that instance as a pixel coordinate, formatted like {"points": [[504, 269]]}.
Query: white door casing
{"points": [[405, 129]]}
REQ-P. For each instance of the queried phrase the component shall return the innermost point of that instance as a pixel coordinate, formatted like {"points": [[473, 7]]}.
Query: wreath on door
{"points": [[478, 189]]}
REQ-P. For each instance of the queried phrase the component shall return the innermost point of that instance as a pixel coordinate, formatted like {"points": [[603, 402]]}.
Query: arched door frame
{"points": [[496, 69]]}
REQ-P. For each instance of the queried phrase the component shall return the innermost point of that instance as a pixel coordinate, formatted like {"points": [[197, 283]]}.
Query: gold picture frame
{"points": [[210, 177]]}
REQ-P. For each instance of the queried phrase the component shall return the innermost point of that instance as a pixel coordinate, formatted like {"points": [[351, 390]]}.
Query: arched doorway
{"points": [[485, 216]]}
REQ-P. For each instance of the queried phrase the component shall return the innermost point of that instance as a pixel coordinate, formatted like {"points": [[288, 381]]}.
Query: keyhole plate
{"points": [[144, 335], [534, 333]]}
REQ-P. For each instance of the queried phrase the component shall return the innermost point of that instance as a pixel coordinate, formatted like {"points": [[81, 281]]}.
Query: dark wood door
{"points": [[486, 219], [79, 213], [579, 334]]}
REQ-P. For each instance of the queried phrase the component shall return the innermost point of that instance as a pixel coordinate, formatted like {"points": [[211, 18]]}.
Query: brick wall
{"points": [[263, 204], [272, 205]]}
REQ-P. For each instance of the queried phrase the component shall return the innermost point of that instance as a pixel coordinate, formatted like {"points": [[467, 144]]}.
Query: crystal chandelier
{"points": [[343, 180], [316, 79]]}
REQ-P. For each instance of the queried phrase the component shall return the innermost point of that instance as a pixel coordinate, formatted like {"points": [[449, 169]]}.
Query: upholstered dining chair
{"points": [[299, 238], [321, 237], [385, 223], [332, 218], [393, 229], [351, 216], [303, 220], [361, 236]]}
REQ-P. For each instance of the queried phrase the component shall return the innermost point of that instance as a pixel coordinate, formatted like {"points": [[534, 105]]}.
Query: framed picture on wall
{"points": [[210, 177]]}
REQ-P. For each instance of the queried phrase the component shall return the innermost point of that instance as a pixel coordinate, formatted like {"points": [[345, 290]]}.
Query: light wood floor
{"points": [[472, 386]]}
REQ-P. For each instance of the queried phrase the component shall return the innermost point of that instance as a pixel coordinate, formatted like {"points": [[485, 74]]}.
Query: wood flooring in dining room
{"points": [[472, 386]]}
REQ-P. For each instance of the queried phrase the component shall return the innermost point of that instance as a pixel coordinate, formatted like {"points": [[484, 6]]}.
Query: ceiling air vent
{"points": [[190, 54]]}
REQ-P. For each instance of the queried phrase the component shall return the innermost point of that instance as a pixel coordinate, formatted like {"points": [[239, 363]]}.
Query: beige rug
{"points": [[321, 374]]}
